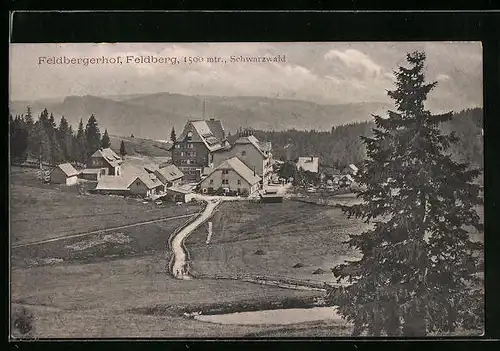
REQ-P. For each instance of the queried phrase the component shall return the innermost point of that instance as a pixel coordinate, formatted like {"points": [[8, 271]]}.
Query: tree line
{"points": [[343, 145], [45, 141]]}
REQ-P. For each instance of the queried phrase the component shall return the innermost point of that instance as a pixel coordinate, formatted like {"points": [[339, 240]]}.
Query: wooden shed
{"points": [[64, 173]]}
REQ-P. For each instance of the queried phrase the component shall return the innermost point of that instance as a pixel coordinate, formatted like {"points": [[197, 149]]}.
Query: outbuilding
{"points": [[64, 173]]}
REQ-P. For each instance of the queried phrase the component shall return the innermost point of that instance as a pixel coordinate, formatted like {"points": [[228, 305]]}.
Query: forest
{"points": [[342, 145], [47, 142]]}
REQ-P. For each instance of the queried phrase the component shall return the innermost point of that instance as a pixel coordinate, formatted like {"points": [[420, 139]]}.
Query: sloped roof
{"points": [[151, 181], [262, 147], [113, 183], [202, 132], [308, 164], [170, 172], [109, 155], [68, 169], [217, 128], [91, 171], [239, 167]]}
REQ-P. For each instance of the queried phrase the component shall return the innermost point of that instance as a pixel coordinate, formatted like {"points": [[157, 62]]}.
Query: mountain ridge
{"points": [[153, 115]]}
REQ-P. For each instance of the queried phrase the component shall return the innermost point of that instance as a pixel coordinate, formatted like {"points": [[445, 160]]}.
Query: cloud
{"points": [[356, 60], [326, 73]]}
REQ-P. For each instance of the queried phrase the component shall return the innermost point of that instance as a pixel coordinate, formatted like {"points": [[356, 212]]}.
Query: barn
{"points": [[64, 173]]}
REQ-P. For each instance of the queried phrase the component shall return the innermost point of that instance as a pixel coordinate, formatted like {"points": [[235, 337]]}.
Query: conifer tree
{"points": [[123, 151], [93, 136], [65, 139], [81, 144], [173, 136], [105, 142], [418, 268]]}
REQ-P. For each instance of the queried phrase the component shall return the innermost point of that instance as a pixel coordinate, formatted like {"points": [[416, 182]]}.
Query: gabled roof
{"points": [[149, 180], [217, 128], [202, 132], [170, 173], [309, 163], [113, 183], [91, 171], [109, 155], [239, 167], [262, 147], [68, 169]]}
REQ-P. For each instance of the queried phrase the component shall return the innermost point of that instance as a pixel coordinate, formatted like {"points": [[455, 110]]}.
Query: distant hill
{"points": [[153, 115], [140, 147]]}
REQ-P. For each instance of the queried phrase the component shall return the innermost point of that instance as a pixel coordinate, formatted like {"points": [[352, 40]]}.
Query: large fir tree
{"points": [[173, 137], [81, 144], [93, 135], [105, 142], [123, 151], [418, 268]]}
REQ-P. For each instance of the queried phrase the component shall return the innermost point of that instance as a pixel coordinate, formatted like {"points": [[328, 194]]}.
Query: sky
{"points": [[325, 73]]}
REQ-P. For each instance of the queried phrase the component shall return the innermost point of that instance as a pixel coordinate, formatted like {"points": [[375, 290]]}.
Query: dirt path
{"points": [[98, 231], [179, 267]]}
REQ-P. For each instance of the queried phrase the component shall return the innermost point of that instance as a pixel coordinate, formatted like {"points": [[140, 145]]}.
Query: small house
{"points": [[93, 174], [177, 194], [232, 175], [308, 164], [64, 173], [111, 185], [146, 185], [106, 159], [169, 175]]}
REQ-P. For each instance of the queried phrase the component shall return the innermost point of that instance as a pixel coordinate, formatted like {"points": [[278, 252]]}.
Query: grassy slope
{"points": [[94, 300], [39, 213], [288, 233], [138, 146]]}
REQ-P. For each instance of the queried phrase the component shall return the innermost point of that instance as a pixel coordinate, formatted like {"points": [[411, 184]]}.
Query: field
{"points": [[44, 211], [103, 300], [138, 146], [270, 239]]}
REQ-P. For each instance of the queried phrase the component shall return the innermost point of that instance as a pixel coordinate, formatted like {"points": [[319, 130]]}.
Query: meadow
{"points": [[292, 239], [43, 211]]}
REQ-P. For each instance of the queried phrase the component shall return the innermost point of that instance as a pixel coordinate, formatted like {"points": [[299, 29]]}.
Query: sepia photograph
{"points": [[246, 190]]}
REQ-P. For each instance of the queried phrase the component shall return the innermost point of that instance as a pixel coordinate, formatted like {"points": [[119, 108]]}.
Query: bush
{"points": [[244, 192], [22, 322]]}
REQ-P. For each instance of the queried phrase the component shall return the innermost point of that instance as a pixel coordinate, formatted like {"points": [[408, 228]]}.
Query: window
{"points": [[182, 153], [189, 136], [177, 146], [211, 181], [243, 153], [239, 182], [225, 181], [225, 171], [189, 146]]}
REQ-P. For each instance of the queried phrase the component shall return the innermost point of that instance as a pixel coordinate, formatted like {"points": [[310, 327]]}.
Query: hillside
{"points": [[153, 115], [143, 147]]}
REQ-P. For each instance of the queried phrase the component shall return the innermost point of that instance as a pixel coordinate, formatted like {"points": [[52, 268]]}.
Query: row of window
{"points": [[187, 162], [188, 153], [187, 146], [225, 182]]}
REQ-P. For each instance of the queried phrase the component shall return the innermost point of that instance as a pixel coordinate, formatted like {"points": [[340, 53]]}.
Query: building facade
{"points": [[231, 175], [255, 154], [194, 148], [64, 174], [107, 160]]}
